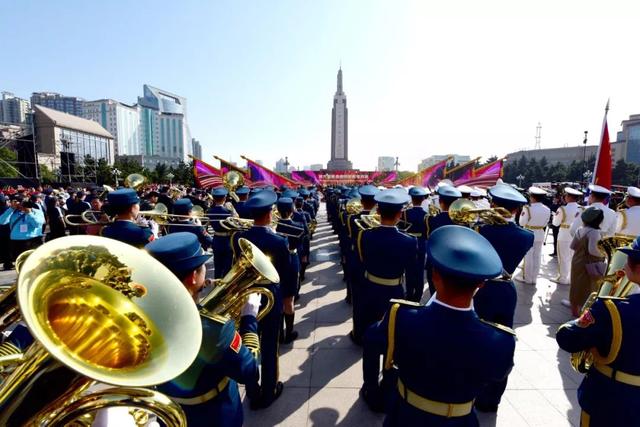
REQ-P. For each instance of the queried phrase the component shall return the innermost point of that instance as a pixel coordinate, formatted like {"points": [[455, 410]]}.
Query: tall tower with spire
{"points": [[339, 136]]}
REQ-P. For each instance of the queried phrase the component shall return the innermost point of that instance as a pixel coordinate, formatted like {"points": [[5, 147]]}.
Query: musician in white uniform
{"points": [[534, 217], [563, 218], [598, 198], [628, 223]]}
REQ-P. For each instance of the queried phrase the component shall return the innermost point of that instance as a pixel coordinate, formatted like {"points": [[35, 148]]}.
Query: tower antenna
{"points": [[538, 135]]}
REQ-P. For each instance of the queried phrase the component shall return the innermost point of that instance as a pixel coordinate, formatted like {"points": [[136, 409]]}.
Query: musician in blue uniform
{"points": [[416, 216], [293, 231], [307, 206], [277, 249], [496, 300], [301, 215], [386, 255], [243, 195], [610, 330], [447, 194], [437, 357], [208, 390], [222, 255], [187, 223], [124, 204]]}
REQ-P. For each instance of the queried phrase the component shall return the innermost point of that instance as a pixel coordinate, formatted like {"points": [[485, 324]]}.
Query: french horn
{"points": [[99, 310]]}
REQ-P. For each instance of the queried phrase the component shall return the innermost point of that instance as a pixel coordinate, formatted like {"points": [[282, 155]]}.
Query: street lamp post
{"points": [[584, 151], [520, 178], [65, 144], [116, 173], [170, 176]]}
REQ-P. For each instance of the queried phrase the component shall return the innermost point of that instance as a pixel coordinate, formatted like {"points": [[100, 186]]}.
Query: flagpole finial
{"points": [[607, 107]]}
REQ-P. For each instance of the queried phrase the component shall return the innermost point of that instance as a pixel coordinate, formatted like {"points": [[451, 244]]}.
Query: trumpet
{"points": [[614, 284], [161, 215], [464, 212], [97, 309], [231, 292]]}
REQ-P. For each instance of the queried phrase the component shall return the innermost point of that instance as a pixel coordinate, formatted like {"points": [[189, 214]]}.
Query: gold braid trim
{"points": [[391, 336], [616, 338]]}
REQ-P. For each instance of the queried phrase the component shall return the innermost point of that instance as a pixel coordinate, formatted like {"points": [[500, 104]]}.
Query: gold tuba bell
{"points": [[230, 293], [231, 181], [614, 284], [99, 311], [465, 212]]}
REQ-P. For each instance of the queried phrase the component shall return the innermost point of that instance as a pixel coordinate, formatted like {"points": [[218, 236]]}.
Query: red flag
{"points": [[602, 170], [261, 175]]}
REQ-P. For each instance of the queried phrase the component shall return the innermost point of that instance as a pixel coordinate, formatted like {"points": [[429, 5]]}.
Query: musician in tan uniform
{"points": [[628, 220], [563, 218]]}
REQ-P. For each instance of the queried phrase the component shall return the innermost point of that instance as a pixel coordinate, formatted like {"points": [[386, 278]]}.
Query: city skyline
{"points": [[473, 79]]}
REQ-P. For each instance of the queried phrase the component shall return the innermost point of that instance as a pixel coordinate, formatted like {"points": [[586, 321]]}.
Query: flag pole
{"points": [[604, 125]]}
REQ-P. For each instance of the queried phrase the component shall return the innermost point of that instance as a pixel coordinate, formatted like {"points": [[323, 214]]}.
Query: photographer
{"points": [[25, 225]]}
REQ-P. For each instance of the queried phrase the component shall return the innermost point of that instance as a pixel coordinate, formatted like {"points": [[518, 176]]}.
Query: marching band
{"points": [[446, 351]]}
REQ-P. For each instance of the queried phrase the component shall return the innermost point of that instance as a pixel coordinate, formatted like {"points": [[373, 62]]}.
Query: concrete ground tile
{"points": [[336, 312], [306, 335], [330, 407], [337, 367], [562, 359], [540, 372], [334, 335], [334, 295], [290, 410], [538, 337], [295, 367], [535, 409], [517, 381], [565, 401], [507, 416]]}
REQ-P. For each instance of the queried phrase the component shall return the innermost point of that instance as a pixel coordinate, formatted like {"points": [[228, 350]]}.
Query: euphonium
{"points": [[99, 310], [231, 181], [230, 293], [366, 222], [465, 212], [614, 284], [134, 180], [354, 206]]}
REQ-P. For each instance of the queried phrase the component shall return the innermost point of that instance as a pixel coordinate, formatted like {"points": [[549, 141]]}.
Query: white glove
{"points": [[252, 306]]}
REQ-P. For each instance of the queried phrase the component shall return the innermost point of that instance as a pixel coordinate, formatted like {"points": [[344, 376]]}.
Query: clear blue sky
{"points": [[421, 78]]}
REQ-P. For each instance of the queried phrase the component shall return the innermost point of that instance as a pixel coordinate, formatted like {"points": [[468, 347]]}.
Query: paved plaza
{"points": [[322, 370]]}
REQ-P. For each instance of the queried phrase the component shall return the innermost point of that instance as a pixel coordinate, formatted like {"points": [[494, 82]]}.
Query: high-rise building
{"points": [[432, 160], [164, 131], [630, 134], [122, 121], [71, 143], [196, 148], [339, 130], [386, 163], [14, 110], [282, 166], [55, 101]]}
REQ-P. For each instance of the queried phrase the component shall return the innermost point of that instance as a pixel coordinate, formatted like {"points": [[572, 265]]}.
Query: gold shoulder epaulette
{"points": [[405, 302], [499, 327]]}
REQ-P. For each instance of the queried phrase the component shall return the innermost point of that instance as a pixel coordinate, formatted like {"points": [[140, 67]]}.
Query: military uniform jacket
{"points": [[277, 249], [628, 221], [128, 232], [535, 217], [496, 301], [226, 357], [431, 352], [433, 222], [189, 225], [417, 217], [564, 217], [612, 327], [243, 212], [607, 226], [385, 252]]}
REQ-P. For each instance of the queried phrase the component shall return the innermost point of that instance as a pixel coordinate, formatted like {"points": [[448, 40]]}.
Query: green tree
{"points": [[47, 176], [160, 173], [7, 165]]}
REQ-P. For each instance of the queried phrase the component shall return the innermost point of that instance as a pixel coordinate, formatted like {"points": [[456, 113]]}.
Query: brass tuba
{"points": [[230, 293], [99, 311], [614, 284], [465, 212], [231, 181], [135, 181]]}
